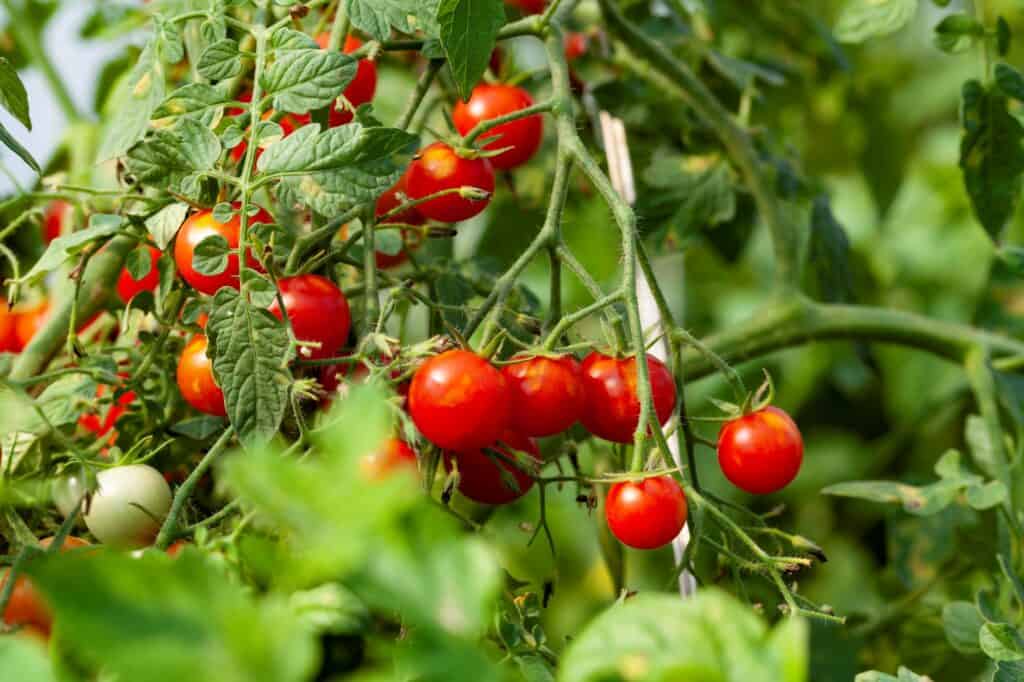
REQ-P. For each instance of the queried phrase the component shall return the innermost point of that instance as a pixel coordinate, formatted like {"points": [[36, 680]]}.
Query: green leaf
{"points": [[331, 609], [251, 351], [8, 140], [172, 159], [200, 101], [978, 439], [1010, 81], [101, 226], [135, 616], [139, 262], [334, 170], [710, 636], [137, 98], [921, 501], [1009, 671], [1003, 37], [377, 17], [991, 156], [199, 428], [958, 32], [211, 255], [863, 19], [1011, 575], [164, 224], [25, 660], [307, 79], [986, 496], [261, 290], [388, 242], [13, 96], [829, 252], [220, 60], [333, 534], [468, 33], [1001, 642], [962, 623], [697, 190]]}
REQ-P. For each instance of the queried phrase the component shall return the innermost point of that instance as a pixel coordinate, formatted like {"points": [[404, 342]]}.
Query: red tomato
{"points": [[363, 85], [101, 426], [459, 401], [491, 101], [318, 312], [646, 514], [289, 124], [128, 287], [576, 45], [56, 214], [195, 379], [438, 168], [612, 407], [545, 394], [760, 452], [394, 455], [528, 6], [26, 607], [8, 329], [197, 228], [176, 548], [480, 478]]}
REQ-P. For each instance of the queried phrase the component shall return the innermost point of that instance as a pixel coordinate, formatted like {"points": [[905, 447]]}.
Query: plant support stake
{"points": [[616, 148]]}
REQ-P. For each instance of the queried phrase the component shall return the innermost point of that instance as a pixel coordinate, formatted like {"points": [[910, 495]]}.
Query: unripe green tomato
{"points": [[114, 515], [67, 493]]}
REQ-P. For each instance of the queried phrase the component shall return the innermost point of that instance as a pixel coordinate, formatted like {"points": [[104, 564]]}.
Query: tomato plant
{"points": [[332, 398]]}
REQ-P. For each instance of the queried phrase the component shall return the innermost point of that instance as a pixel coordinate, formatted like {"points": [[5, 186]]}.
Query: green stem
{"points": [[339, 29], [426, 79], [169, 529], [802, 321], [656, 64], [490, 124]]}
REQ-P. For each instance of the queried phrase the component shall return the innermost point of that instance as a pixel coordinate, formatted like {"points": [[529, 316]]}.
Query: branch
{"points": [[803, 321]]}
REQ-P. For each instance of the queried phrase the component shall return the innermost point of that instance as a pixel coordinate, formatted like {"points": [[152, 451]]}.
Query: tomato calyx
{"points": [[752, 402]]}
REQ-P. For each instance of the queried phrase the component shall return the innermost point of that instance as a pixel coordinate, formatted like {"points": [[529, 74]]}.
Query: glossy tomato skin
{"points": [[612, 405], [394, 455], [56, 214], [197, 228], [646, 514], [363, 86], [528, 6], [318, 312], [128, 506], [545, 394], [459, 401], [390, 200], [8, 329], [491, 101], [26, 607], [438, 168], [761, 452], [195, 379], [128, 287], [480, 477]]}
